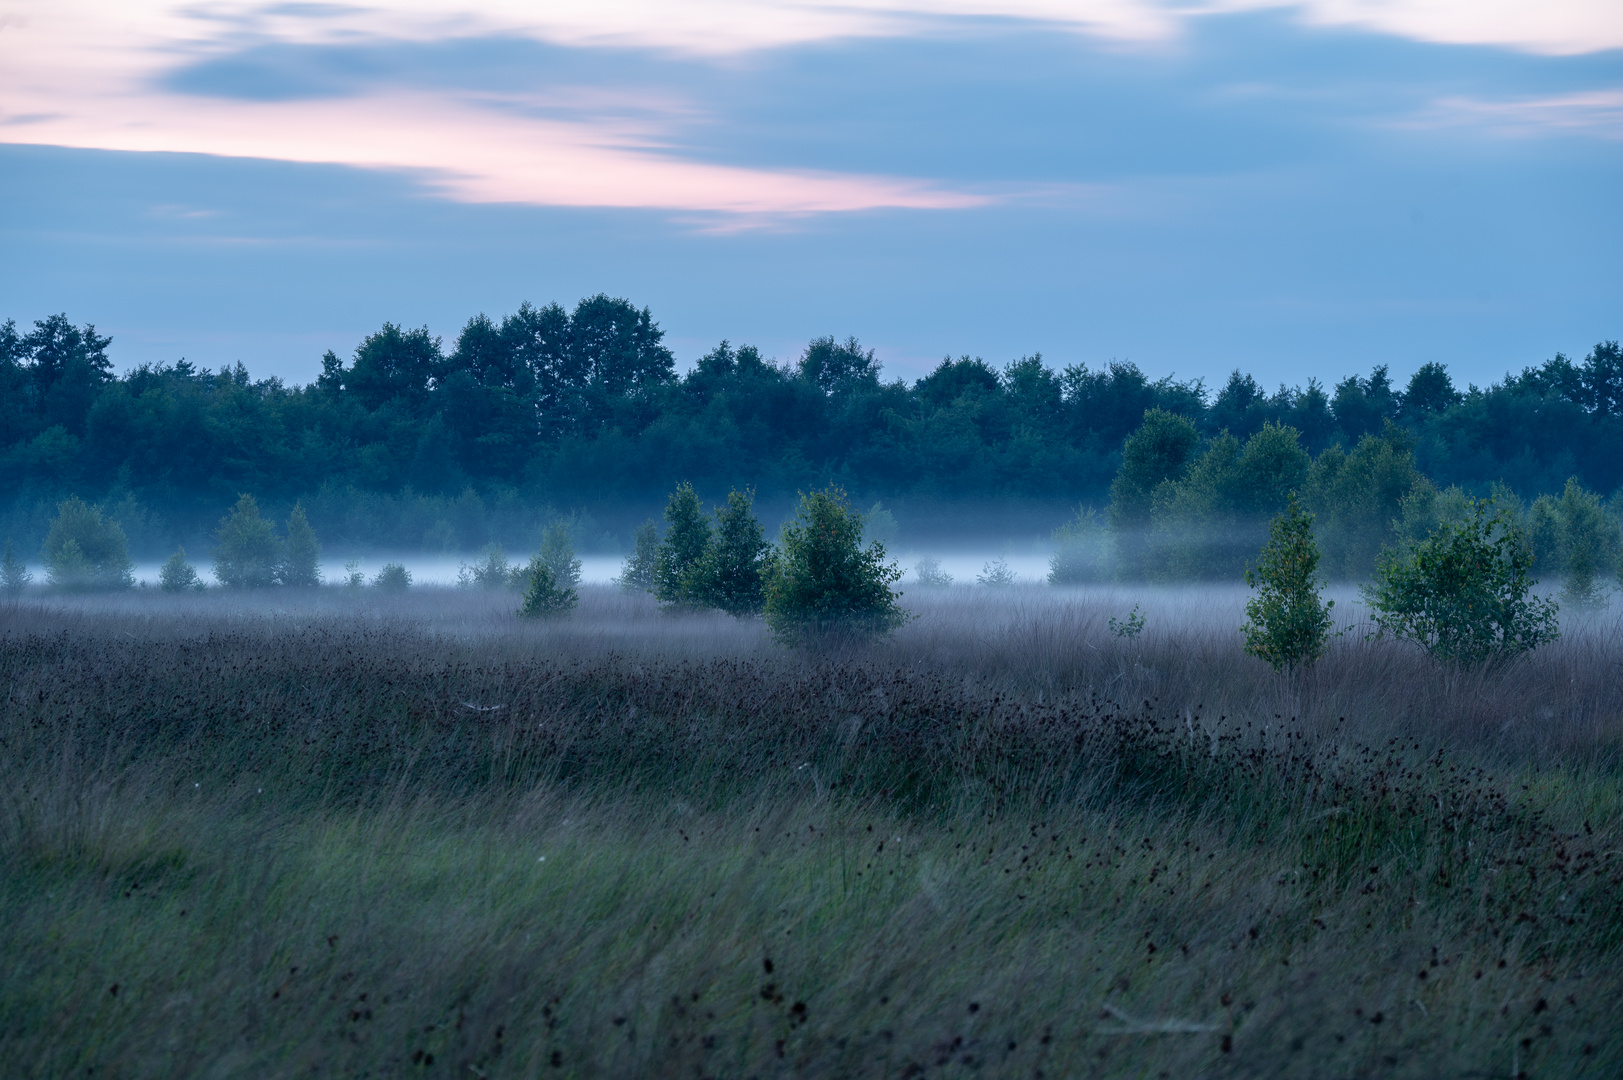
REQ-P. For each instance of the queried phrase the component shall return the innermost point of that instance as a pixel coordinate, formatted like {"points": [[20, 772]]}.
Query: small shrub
{"points": [[1288, 624], [1464, 593], [996, 574], [927, 571], [737, 561], [178, 575], [14, 575], [558, 552], [392, 578], [353, 577], [301, 554], [638, 573], [247, 554], [544, 594], [85, 551], [489, 571], [824, 582], [677, 561], [1130, 627]]}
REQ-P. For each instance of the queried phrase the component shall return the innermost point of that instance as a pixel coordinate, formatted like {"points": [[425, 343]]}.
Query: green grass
{"points": [[300, 852]]}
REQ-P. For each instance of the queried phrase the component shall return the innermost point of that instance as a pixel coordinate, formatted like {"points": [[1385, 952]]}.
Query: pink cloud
{"points": [[475, 154], [83, 73]]}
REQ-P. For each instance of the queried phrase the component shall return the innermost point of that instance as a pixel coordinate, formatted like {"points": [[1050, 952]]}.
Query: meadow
{"points": [[332, 833]]}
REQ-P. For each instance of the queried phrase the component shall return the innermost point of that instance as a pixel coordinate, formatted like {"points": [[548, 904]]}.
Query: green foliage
{"points": [[14, 575], [1209, 522], [824, 581], [1158, 452], [1589, 540], [544, 594], [996, 574], [353, 577], [928, 573], [178, 575], [1130, 627], [558, 552], [1356, 498], [489, 571], [1081, 547], [301, 554], [84, 551], [880, 526], [678, 561], [247, 553], [732, 573], [392, 578], [1544, 534], [638, 573], [1465, 592], [1288, 624]]}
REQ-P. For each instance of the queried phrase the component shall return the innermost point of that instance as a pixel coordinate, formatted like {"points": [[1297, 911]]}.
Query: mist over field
{"points": [[811, 540]]}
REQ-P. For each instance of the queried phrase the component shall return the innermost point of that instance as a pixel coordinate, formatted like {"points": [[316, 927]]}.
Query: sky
{"points": [[1299, 189]]}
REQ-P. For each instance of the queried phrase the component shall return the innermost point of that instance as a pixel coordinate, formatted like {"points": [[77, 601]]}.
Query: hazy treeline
{"points": [[1184, 506], [563, 406]]}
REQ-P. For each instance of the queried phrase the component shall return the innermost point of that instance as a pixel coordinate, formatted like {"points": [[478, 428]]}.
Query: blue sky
{"points": [[1272, 189]]}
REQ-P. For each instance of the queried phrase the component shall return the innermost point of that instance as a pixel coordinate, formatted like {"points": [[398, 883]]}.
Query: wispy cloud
{"points": [[1597, 113], [97, 74]]}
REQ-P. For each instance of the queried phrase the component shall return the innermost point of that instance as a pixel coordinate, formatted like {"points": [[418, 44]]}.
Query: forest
{"points": [[415, 441]]}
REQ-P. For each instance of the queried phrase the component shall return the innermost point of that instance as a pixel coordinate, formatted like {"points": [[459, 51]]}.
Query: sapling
{"points": [[1289, 624]]}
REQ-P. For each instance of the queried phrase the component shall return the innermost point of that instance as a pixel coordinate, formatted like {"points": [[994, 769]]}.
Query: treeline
{"points": [[571, 407], [1186, 507]]}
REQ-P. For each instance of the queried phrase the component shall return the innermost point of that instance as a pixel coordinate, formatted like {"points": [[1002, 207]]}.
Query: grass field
{"points": [[333, 836]]}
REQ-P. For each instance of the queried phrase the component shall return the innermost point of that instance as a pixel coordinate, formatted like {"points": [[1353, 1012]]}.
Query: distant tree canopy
{"points": [[570, 405]]}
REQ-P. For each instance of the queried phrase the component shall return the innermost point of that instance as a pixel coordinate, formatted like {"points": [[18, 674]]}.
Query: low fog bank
{"points": [[1186, 664], [1029, 565]]}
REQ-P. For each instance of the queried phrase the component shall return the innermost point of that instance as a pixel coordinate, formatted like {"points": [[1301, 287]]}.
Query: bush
{"points": [[558, 552], [489, 571], [677, 562], [996, 574], [929, 574], [178, 575], [392, 578], [1080, 546], [1289, 626], [301, 555], [1129, 628], [85, 551], [737, 561], [247, 554], [638, 573], [544, 595], [353, 578], [14, 575], [824, 582], [1464, 593]]}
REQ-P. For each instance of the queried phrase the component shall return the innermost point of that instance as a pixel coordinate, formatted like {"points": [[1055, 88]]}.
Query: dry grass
{"points": [[348, 836]]}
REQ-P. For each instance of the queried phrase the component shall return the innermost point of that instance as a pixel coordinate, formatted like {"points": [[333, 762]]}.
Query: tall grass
{"points": [[399, 836]]}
